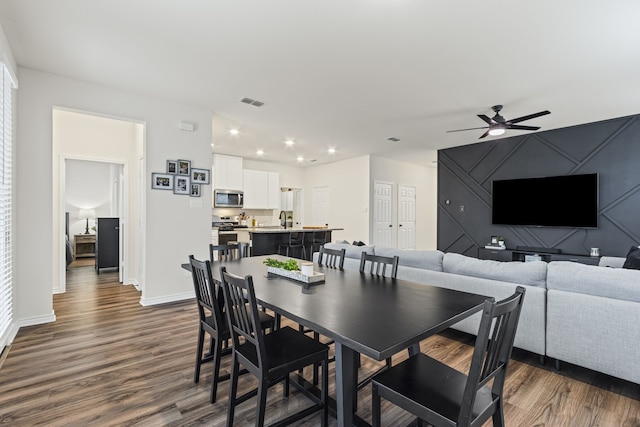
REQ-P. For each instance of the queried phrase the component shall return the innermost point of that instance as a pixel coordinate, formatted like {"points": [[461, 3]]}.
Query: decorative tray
{"points": [[297, 276]]}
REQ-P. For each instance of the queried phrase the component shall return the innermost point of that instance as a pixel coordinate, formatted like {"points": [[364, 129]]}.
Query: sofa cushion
{"points": [[431, 260], [350, 250], [618, 283], [633, 259], [532, 273], [611, 261]]}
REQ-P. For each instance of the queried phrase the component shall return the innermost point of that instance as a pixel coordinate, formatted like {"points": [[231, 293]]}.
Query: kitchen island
{"points": [[265, 240]]}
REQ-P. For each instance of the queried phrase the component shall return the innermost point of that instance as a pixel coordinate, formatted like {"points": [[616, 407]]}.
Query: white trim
{"points": [[145, 302], [38, 320], [9, 335], [7, 64]]}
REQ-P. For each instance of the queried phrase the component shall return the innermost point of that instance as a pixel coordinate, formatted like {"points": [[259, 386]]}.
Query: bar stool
{"points": [[243, 248], [296, 241], [318, 238]]}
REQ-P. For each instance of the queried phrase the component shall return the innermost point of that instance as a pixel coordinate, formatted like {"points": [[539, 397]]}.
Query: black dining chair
{"points": [[269, 357], [442, 396], [333, 258], [212, 321], [227, 252], [378, 264]]}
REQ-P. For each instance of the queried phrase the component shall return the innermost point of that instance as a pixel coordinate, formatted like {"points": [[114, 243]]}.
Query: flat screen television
{"points": [[554, 201]]}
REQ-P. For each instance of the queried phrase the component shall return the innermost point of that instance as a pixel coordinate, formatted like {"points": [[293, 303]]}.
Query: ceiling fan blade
{"points": [[487, 119], [484, 134], [460, 130], [520, 127], [530, 116]]}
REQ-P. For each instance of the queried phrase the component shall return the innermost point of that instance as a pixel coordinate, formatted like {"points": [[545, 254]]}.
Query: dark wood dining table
{"points": [[362, 313]]}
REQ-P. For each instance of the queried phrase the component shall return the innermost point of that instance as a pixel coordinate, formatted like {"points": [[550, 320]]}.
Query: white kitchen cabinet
{"points": [[286, 201], [274, 191], [261, 189], [227, 172], [214, 236]]}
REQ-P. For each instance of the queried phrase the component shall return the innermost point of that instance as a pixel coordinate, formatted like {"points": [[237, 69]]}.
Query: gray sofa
{"points": [[572, 312]]}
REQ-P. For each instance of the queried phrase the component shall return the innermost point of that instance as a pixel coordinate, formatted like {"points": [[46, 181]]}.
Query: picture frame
{"points": [[200, 176], [172, 166], [494, 240], [184, 167], [161, 181], [195, 190], [182, 185]]}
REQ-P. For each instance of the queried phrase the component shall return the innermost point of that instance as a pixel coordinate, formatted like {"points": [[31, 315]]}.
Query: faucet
{"points": [[283, 219]]}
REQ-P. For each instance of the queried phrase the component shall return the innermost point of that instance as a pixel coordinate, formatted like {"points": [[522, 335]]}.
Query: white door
{"points": [[406, 217], [320, 206], [382, 214]]}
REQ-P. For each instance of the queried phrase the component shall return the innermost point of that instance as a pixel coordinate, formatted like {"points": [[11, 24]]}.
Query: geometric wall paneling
{"points": [[611, 148]]}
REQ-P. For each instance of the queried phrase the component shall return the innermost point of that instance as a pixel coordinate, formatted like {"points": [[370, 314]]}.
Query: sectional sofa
{"points": [[581, 314]]}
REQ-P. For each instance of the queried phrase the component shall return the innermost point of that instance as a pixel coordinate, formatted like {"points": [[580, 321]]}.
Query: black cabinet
{"points": [[522, 255], [107, 243]]}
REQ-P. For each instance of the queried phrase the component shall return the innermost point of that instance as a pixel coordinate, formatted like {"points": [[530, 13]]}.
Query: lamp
{"points": [[496, 131], [87, 214]]}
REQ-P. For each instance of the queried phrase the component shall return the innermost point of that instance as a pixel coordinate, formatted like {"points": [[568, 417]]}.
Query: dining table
{"points": [[362, 313]]}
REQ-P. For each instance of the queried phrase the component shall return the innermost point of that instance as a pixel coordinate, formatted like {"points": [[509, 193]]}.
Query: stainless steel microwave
{"points": [[228, 199]]}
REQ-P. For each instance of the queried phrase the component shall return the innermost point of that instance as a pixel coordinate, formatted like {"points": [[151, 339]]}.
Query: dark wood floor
{"points": [[109, 361]]}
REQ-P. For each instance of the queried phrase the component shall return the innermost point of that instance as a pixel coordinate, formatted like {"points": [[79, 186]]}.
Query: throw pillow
{"points": [[633, 258]]}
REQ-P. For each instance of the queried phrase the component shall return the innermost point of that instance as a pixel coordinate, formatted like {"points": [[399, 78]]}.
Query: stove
{"points": [[224, 225]]}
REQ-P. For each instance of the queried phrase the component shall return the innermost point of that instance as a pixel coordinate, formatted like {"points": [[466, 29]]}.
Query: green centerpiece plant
{"points": [[290, 265]]}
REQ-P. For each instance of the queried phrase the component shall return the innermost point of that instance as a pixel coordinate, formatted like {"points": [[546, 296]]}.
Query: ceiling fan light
{"points": [[496, 131]]}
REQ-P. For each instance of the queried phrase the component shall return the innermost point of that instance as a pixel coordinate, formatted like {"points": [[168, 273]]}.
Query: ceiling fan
{"points": [[498, 124]]}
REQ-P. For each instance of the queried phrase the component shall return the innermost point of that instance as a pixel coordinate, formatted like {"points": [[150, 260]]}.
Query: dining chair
{"points": [[378, 264], [212, 321], [334, 257], [227, 252], [269, 357], [442, 396], [295, 242]]}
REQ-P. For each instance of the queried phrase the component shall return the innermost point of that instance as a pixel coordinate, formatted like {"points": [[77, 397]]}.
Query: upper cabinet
{"points": [[227, 172], [261, 189]]}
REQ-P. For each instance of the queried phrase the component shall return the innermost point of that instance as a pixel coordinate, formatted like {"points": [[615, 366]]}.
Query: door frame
{"points": [[62, 192]]}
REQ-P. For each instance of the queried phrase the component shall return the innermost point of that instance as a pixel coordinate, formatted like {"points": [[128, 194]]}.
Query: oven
{"points": [[224, 237]]}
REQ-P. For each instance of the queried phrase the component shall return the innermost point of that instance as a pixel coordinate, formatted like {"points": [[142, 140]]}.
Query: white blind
{"points": [[6, 275]]}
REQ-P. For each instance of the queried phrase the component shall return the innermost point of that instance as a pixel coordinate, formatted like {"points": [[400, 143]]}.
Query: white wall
{"points": [[348, 182], [424, 179], [173, 228], [88, 186], [5, 51]]}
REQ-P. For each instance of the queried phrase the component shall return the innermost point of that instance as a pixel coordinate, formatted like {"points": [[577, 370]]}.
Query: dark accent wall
{"points": [[611, 148]]}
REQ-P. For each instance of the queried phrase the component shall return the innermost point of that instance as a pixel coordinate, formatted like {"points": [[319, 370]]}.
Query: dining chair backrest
{"points": [[242, 315], [378, 264], [331, 257], [208, 294], [227, 252], [492, 350]]}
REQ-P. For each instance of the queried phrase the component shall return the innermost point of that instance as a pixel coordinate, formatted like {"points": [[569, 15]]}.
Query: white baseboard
{"points": [[166, 299], [39, 320]]}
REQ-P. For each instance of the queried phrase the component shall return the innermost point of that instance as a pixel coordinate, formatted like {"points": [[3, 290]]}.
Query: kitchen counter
{"points": [[265, 240]]}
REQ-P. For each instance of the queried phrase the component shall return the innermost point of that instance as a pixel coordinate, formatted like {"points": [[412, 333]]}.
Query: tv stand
{"points": [[537, 249], [542, 254]]}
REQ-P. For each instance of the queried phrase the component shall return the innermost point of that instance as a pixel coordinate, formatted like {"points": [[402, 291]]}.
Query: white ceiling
{"points": [[346, 74]]}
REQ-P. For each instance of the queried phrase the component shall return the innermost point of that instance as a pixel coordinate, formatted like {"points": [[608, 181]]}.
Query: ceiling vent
{"points": [[393, 139], [252, 102]]}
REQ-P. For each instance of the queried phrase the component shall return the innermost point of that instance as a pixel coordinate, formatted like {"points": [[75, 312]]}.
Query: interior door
{"points": [[320, 206], [383, 214], [406, 217]]}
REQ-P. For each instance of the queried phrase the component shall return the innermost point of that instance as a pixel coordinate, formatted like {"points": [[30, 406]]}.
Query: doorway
{"points": [[113, 143]]}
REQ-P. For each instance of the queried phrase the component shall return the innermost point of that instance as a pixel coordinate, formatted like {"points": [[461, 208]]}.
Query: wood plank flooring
{"points": [[108, 361]]}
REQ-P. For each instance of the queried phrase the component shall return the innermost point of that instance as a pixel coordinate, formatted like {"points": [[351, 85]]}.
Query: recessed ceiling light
{"points": [[289, 142], [331, 150], [234, 131], [259, 152], [300, 159]]}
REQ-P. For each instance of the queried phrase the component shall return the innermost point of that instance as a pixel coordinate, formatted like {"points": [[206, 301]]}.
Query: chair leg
{"points": [[262, 402], [375, 407], [196, 375], [233, 388], [217, 350], [285, 390], [498, 415], [325, 392]]}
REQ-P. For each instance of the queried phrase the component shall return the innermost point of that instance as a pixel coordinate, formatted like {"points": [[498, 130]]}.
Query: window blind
{"points": [[7, 326]]}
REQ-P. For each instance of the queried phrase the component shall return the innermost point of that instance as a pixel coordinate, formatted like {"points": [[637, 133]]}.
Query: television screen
{"points": [[556, 201]]}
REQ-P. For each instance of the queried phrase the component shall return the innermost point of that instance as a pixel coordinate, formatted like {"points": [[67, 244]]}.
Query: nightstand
{"points": [[84, 245]]}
